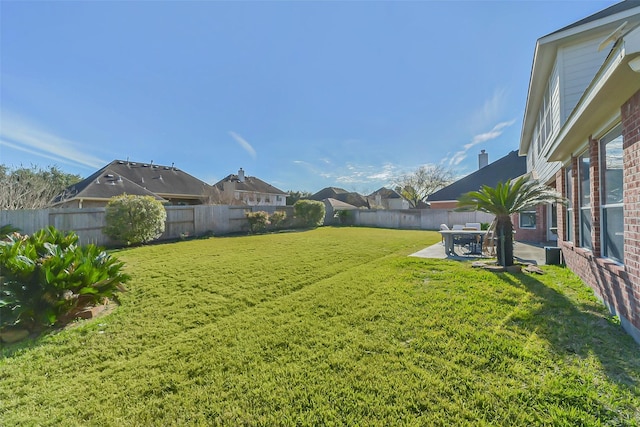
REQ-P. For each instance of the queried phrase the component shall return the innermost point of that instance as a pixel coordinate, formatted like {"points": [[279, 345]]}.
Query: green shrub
{"points": [[6, 230], [46, 276], [258, 221], [134, 219], [309, 212], [343, 216], [277, 219]]}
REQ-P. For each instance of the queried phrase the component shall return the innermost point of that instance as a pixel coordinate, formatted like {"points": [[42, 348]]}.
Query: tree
{"points": [[426, 180], [309, 212], [134, 219], [294, 196], [503, 201], [32, 188]]}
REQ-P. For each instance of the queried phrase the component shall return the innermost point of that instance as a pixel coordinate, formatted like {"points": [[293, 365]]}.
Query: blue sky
{"points": [[303, 95]]}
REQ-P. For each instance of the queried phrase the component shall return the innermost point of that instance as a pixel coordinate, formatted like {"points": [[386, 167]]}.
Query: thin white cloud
{"points": [[35, 153], [492, 108], [18, 134], [494, 133], [244, 144], [353, 173], [388, 173]]}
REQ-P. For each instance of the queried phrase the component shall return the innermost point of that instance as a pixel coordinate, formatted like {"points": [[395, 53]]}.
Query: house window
{"points": [[612, 202], [585, 201], [544, 126], [569, 193], [528, 219]]}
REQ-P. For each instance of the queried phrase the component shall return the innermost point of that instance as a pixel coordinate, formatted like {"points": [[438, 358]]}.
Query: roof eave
{"points": [[613, 86], [543, 60]]}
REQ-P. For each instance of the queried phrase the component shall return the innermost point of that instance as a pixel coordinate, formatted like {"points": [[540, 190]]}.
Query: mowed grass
{"points": [[335, 326]]}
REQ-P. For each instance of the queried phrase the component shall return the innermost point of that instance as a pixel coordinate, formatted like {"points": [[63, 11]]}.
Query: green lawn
{"points": [[335, 326]]}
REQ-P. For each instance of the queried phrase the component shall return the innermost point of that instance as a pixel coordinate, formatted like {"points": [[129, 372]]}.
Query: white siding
{"points": [[535, 158], [580, 63], [544, 171], [554, 88]]}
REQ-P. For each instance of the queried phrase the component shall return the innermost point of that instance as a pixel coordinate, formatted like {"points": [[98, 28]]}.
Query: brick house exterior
{"points": [[527, 232], [585, 143]]}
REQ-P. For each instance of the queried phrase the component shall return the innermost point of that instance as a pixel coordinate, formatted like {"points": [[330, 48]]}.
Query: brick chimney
{"points": [[241, 175]]}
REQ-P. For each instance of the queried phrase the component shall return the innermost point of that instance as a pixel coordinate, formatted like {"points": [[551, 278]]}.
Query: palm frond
{"points": [[509, 197]]}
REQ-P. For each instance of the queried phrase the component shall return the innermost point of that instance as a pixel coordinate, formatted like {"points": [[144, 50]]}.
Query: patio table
{"points": [[448, 236]]}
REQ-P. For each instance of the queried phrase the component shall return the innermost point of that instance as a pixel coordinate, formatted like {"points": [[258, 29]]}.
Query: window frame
{"points": [[568, 234], [584, 200], [613, 135], [528, 213]]}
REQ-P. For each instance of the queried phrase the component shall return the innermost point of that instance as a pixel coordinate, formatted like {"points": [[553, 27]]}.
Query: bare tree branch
{"points": [[32, 188], [426, 180]]}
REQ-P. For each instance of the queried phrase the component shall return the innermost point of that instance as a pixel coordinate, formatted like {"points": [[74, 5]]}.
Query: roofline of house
{"points": [[610, 88], [545, 54]]}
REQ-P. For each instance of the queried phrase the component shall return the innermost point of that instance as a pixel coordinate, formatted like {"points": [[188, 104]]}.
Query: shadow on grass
{"points": [[580, 329], [34, 340]]}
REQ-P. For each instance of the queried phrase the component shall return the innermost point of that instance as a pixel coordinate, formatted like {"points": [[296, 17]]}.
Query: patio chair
{"points": [[489, 242], [443, 227]]}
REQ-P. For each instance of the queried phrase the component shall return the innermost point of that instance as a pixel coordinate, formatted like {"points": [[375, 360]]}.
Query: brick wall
{"points": [[630, 134], [617, 285], [538, 234], [561, 209]]}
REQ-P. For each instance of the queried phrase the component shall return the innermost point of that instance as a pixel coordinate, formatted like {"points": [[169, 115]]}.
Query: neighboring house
{"points": [[166, 183], [331, 206], [249, 190], [345, 196], [386, 198], [581, 134], [508, 167]]}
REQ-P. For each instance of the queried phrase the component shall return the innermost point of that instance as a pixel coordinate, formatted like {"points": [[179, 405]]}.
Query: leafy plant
{"points": [[503, 201], [258, 221], [46, 276], [277, 219], [134, 219], [343, 216], [7, 229], [309, 212]]}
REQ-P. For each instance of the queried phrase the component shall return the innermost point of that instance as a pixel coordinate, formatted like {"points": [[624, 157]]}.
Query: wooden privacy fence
{"points": [[417, 219], [198, 220], [182, 221]]}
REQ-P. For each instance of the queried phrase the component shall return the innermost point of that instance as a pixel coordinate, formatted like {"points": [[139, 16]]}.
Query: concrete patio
{"points": [[524, 252]]}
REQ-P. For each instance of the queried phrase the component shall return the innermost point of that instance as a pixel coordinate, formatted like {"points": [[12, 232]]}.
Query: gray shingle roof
{"points": [[508, 167], [119, 177], [328, 192], [345, 196], [250, 184], [386, 193], [611, 10], [103, 184], [160, 179]]}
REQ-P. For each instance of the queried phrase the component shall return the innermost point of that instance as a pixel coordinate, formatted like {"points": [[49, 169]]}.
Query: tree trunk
{"points": [[504, 247]]}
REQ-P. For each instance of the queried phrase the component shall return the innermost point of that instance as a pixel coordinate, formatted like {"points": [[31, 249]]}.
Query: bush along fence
{"points": [[201, 220], [181, 221]]}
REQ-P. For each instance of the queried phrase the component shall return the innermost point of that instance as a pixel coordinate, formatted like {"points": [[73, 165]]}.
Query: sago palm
{"points": [[503, 201]]}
